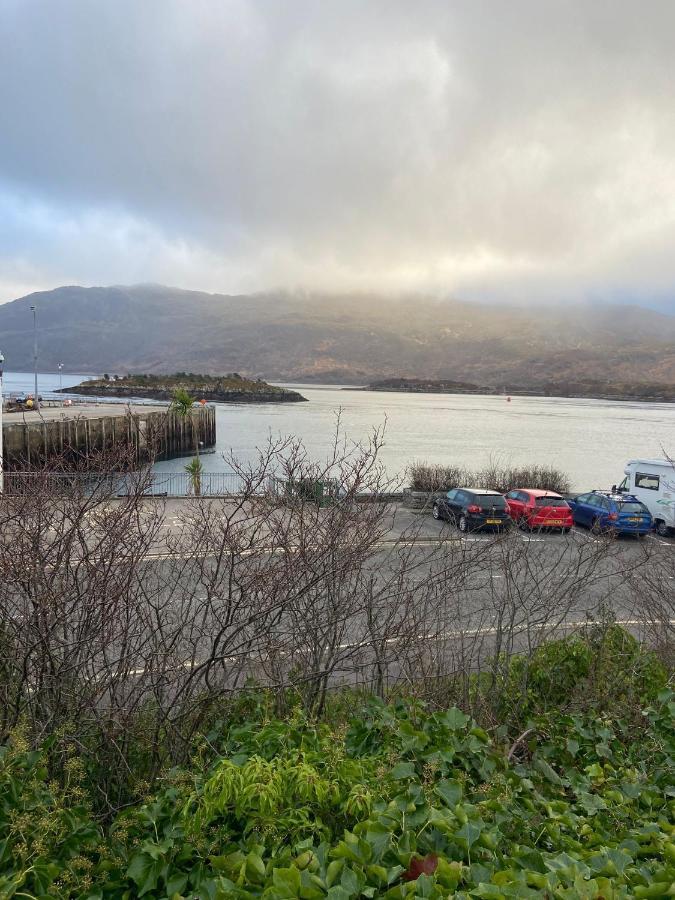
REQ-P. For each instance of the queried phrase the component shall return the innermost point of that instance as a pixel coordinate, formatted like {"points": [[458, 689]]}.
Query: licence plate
{"points": [[635, 520], [556, 522], [493, 521]]}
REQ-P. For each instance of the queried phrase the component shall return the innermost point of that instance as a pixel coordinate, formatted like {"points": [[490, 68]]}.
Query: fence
{"points": [[182, 484], [154, 484]]}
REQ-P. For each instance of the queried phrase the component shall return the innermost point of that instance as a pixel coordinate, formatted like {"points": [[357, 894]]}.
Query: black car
{"points": [[473, 508]]}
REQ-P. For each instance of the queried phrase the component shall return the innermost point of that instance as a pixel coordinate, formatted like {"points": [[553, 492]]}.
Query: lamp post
{"points": [[2, 466], [36, 402], [60, 378]]}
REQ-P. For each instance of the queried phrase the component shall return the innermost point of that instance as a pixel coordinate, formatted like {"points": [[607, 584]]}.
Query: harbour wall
{"points": [[32, 440]]}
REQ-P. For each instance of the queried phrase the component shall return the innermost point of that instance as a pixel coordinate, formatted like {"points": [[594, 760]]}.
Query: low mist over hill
{"points": [[350, 339]]}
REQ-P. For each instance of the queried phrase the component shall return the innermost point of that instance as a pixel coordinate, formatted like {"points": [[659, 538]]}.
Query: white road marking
{"points": [[468, 633], [650, 537]]}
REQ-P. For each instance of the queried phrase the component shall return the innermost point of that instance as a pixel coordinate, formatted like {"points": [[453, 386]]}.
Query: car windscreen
{"points": [[549, 501], [631, 507], [490, 501]]}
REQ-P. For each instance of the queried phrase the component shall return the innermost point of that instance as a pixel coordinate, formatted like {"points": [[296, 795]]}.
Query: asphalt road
{"points": [[569, 577], [432, 589]]}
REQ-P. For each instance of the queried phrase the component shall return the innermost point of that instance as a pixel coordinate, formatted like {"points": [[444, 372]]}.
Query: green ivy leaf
{"points": [[176, 884], [144, 872], [549, 774], [286, 881], [449, 791], [402, 771], [337, 892], [572, 746], [468, 834], [455, 719]]}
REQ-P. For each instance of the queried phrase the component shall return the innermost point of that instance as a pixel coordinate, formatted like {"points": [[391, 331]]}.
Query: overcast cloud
{"points": [[520, 150]]}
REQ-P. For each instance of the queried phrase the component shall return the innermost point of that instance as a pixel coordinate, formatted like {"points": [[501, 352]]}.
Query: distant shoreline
{"points": [[624, 393]]}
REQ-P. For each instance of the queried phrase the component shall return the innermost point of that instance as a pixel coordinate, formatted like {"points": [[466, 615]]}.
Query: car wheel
{"points": [[662, 529], [463, 524], [566, 530], [436, 511]]}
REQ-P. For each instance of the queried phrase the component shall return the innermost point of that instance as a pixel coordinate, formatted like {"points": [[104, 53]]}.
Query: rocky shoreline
{"points": [[229, 389]]}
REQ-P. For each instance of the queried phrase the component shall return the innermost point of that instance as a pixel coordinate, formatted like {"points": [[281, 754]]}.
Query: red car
{"points": [[530, 509]]}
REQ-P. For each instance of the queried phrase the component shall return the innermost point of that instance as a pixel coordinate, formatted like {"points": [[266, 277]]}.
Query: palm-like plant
{"points": [[181, 404], [194, 470]]}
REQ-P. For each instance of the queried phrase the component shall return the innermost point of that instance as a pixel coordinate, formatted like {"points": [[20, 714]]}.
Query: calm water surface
{"points": [[589, 439], [23, 382]]}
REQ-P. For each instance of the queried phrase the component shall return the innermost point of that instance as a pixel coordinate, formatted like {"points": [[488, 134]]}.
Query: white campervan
{"points": [[653, 482]]}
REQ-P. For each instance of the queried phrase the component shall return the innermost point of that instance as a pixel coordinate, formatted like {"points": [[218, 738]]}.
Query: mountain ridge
{"points": [[349, 338]]}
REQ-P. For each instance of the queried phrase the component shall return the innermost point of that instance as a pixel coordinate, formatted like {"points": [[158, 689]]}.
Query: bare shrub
{"points": [[429, 477], [128, 625], [506, 478], [432, 477]]}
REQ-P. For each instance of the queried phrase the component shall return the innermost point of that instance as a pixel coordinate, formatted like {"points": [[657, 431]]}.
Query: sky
{"points": [[519, 152]]}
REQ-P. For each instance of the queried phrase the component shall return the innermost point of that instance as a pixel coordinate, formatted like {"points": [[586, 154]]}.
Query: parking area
{"points": [[422, 523]]}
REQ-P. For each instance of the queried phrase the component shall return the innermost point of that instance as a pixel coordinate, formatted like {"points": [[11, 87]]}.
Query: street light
{"points": [[2, 467], [60, 379], [36, 402]]}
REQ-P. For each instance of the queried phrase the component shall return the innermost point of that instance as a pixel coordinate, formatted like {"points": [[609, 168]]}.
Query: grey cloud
{"points": [[522, 150]]}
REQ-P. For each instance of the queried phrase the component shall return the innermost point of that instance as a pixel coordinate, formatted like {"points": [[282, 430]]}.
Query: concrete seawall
{"points": [[31, 439]]}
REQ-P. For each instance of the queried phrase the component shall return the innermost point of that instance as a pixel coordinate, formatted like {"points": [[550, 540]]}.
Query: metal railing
{"points": [[208, 484], [153, 484], [180, 484]]}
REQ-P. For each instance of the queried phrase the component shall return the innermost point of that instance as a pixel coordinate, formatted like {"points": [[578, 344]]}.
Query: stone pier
{"points": [[31, 439]]}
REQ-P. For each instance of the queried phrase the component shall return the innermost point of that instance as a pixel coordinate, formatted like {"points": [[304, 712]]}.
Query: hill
{"points": [[350, 339]]}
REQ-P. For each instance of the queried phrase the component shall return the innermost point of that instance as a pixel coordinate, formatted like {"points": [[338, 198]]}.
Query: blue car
{"points": [[603, 512]]}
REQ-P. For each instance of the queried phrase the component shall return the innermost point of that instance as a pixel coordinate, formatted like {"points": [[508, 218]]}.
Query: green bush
{"points": [[582, 810], [402, 801], [604, 667], [48, 840]]}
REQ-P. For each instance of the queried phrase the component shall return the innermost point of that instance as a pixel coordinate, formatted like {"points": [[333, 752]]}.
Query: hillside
{"points": [[349, 339]]}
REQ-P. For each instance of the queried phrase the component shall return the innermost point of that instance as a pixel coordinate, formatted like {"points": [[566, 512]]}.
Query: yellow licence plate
{"points": [[493, 521], [556, 522], [635, 519]]}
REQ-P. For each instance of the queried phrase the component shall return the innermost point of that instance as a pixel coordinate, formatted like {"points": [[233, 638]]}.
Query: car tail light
{"points": [[473, 508], [613, 517]]}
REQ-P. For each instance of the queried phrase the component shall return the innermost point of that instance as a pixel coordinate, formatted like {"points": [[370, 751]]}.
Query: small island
{"points": [[426, 386], [232, 388], [644, 392]]}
